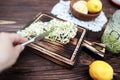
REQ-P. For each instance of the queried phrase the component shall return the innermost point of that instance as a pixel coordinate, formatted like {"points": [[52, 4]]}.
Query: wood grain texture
{"points": [[30, 66]]}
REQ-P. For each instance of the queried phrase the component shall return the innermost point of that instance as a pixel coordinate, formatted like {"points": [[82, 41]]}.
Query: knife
{"points": [[37, 38]]}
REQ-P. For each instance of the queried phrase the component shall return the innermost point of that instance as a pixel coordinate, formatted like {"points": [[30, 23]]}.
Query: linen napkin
{"points": [[62, 10]]}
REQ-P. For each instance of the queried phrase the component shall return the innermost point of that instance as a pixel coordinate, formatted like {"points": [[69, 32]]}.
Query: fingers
{"points": [[15, 38], [18, 49]]}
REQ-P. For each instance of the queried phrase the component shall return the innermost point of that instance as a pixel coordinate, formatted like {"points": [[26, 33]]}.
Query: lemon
{"points": [[101, 70], [81, 6], [94, 6]]}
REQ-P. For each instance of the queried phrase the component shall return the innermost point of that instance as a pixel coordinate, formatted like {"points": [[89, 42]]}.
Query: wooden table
{"points": [[30, 66]]}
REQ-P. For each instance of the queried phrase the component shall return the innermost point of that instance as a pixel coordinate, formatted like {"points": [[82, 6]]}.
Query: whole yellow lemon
{"points": [[94, 6], [101, 70]]}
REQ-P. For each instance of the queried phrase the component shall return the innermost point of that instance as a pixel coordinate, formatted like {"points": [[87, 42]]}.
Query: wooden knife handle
{"points": [[97, 48]]}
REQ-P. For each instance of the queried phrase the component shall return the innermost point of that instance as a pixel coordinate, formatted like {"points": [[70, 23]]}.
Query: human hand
{"points": [[10, 48]]}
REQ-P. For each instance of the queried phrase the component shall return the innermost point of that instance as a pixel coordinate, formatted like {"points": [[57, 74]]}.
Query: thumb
{"points": [[18, 49]]}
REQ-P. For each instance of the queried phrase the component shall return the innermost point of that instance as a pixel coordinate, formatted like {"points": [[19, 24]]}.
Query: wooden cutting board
{"points": [[63, 54]]}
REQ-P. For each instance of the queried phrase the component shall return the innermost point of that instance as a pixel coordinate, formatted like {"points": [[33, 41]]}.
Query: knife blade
{"points": [[37, 38]]}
